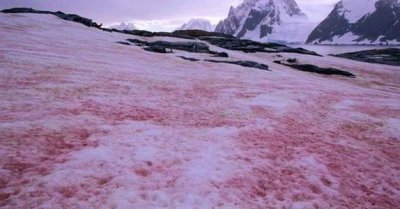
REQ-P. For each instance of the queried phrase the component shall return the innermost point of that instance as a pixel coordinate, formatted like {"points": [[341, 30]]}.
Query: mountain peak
{"points": [[267, 20], [375, 22], [124, 26], [197, 24]]}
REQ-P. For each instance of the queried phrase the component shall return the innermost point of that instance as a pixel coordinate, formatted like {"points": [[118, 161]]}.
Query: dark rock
{"points": [[123, 43], [68, 17], [249, 46], [220, 54], [138, 42], [199, 33], [291, 60], [190, 46], [189, 58], [195, 47], [249, 64], [380, 26], [390, 56], [316, 69], [156, 48]]}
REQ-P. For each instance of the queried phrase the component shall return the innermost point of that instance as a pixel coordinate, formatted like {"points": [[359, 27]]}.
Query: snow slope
{"points": [[97, 124], [198, 24]]}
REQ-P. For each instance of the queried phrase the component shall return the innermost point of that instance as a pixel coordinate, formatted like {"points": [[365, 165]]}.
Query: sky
{"points": [[156, 15]]}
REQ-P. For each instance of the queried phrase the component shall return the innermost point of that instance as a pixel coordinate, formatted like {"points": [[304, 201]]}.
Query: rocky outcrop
{"points": [[313, 68], [189, 59], [360, 22], [69, 17], [166, 46], [389, 56], [249, 46], [279, 21], [249, 64]]}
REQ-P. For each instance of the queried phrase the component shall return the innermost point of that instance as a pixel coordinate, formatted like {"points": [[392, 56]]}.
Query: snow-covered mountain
{"points": [[360, 22], [198, 24], [267, 20], [124, 26]]}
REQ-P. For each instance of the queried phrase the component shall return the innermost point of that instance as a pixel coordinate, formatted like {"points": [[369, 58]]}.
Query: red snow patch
{"points": [[119, 112]]}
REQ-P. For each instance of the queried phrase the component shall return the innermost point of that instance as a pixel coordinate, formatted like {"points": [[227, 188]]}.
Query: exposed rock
{"points": [[316, 69], [156, 48], [360, 22], [249, 64], [226, 41], [190, 46], [199, 33], [123, 43], [279, 21], [220, 54], [189, 58], [249, 46], [390, 56], [195, 47], [68, 17], [138, 42]]}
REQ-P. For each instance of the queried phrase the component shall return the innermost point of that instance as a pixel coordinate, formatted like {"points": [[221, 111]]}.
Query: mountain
{"points": [[267, 20], [375, 22], [124, 26], [198, 24]]}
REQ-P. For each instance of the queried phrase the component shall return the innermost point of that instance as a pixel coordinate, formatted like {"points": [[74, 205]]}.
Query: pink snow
{"points": [[89, 123]]}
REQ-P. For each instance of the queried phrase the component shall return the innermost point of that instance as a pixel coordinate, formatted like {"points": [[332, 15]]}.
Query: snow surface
{"points": [[89, 123]]}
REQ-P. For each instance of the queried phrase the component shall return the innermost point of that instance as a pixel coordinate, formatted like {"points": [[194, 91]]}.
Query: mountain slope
{"points": [[198, 24], [267, 20], [375, 22]]}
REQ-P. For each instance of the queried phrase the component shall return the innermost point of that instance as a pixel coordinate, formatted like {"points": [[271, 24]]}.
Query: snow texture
{"points": [[89, 123]]}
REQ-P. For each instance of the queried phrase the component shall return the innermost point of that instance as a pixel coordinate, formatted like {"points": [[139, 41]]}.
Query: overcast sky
{"points": [[156, 14]]}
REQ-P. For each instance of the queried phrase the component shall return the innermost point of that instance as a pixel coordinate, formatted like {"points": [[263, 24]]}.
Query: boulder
{"points": [[249, 64]]}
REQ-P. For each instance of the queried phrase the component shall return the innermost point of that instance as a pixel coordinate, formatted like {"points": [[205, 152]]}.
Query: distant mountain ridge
{"points": [[267, 20], [198, 24], [124, 26], [360, 22]]}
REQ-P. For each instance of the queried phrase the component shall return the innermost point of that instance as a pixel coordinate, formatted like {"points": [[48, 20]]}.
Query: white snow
{"points": [[96, 124]]}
